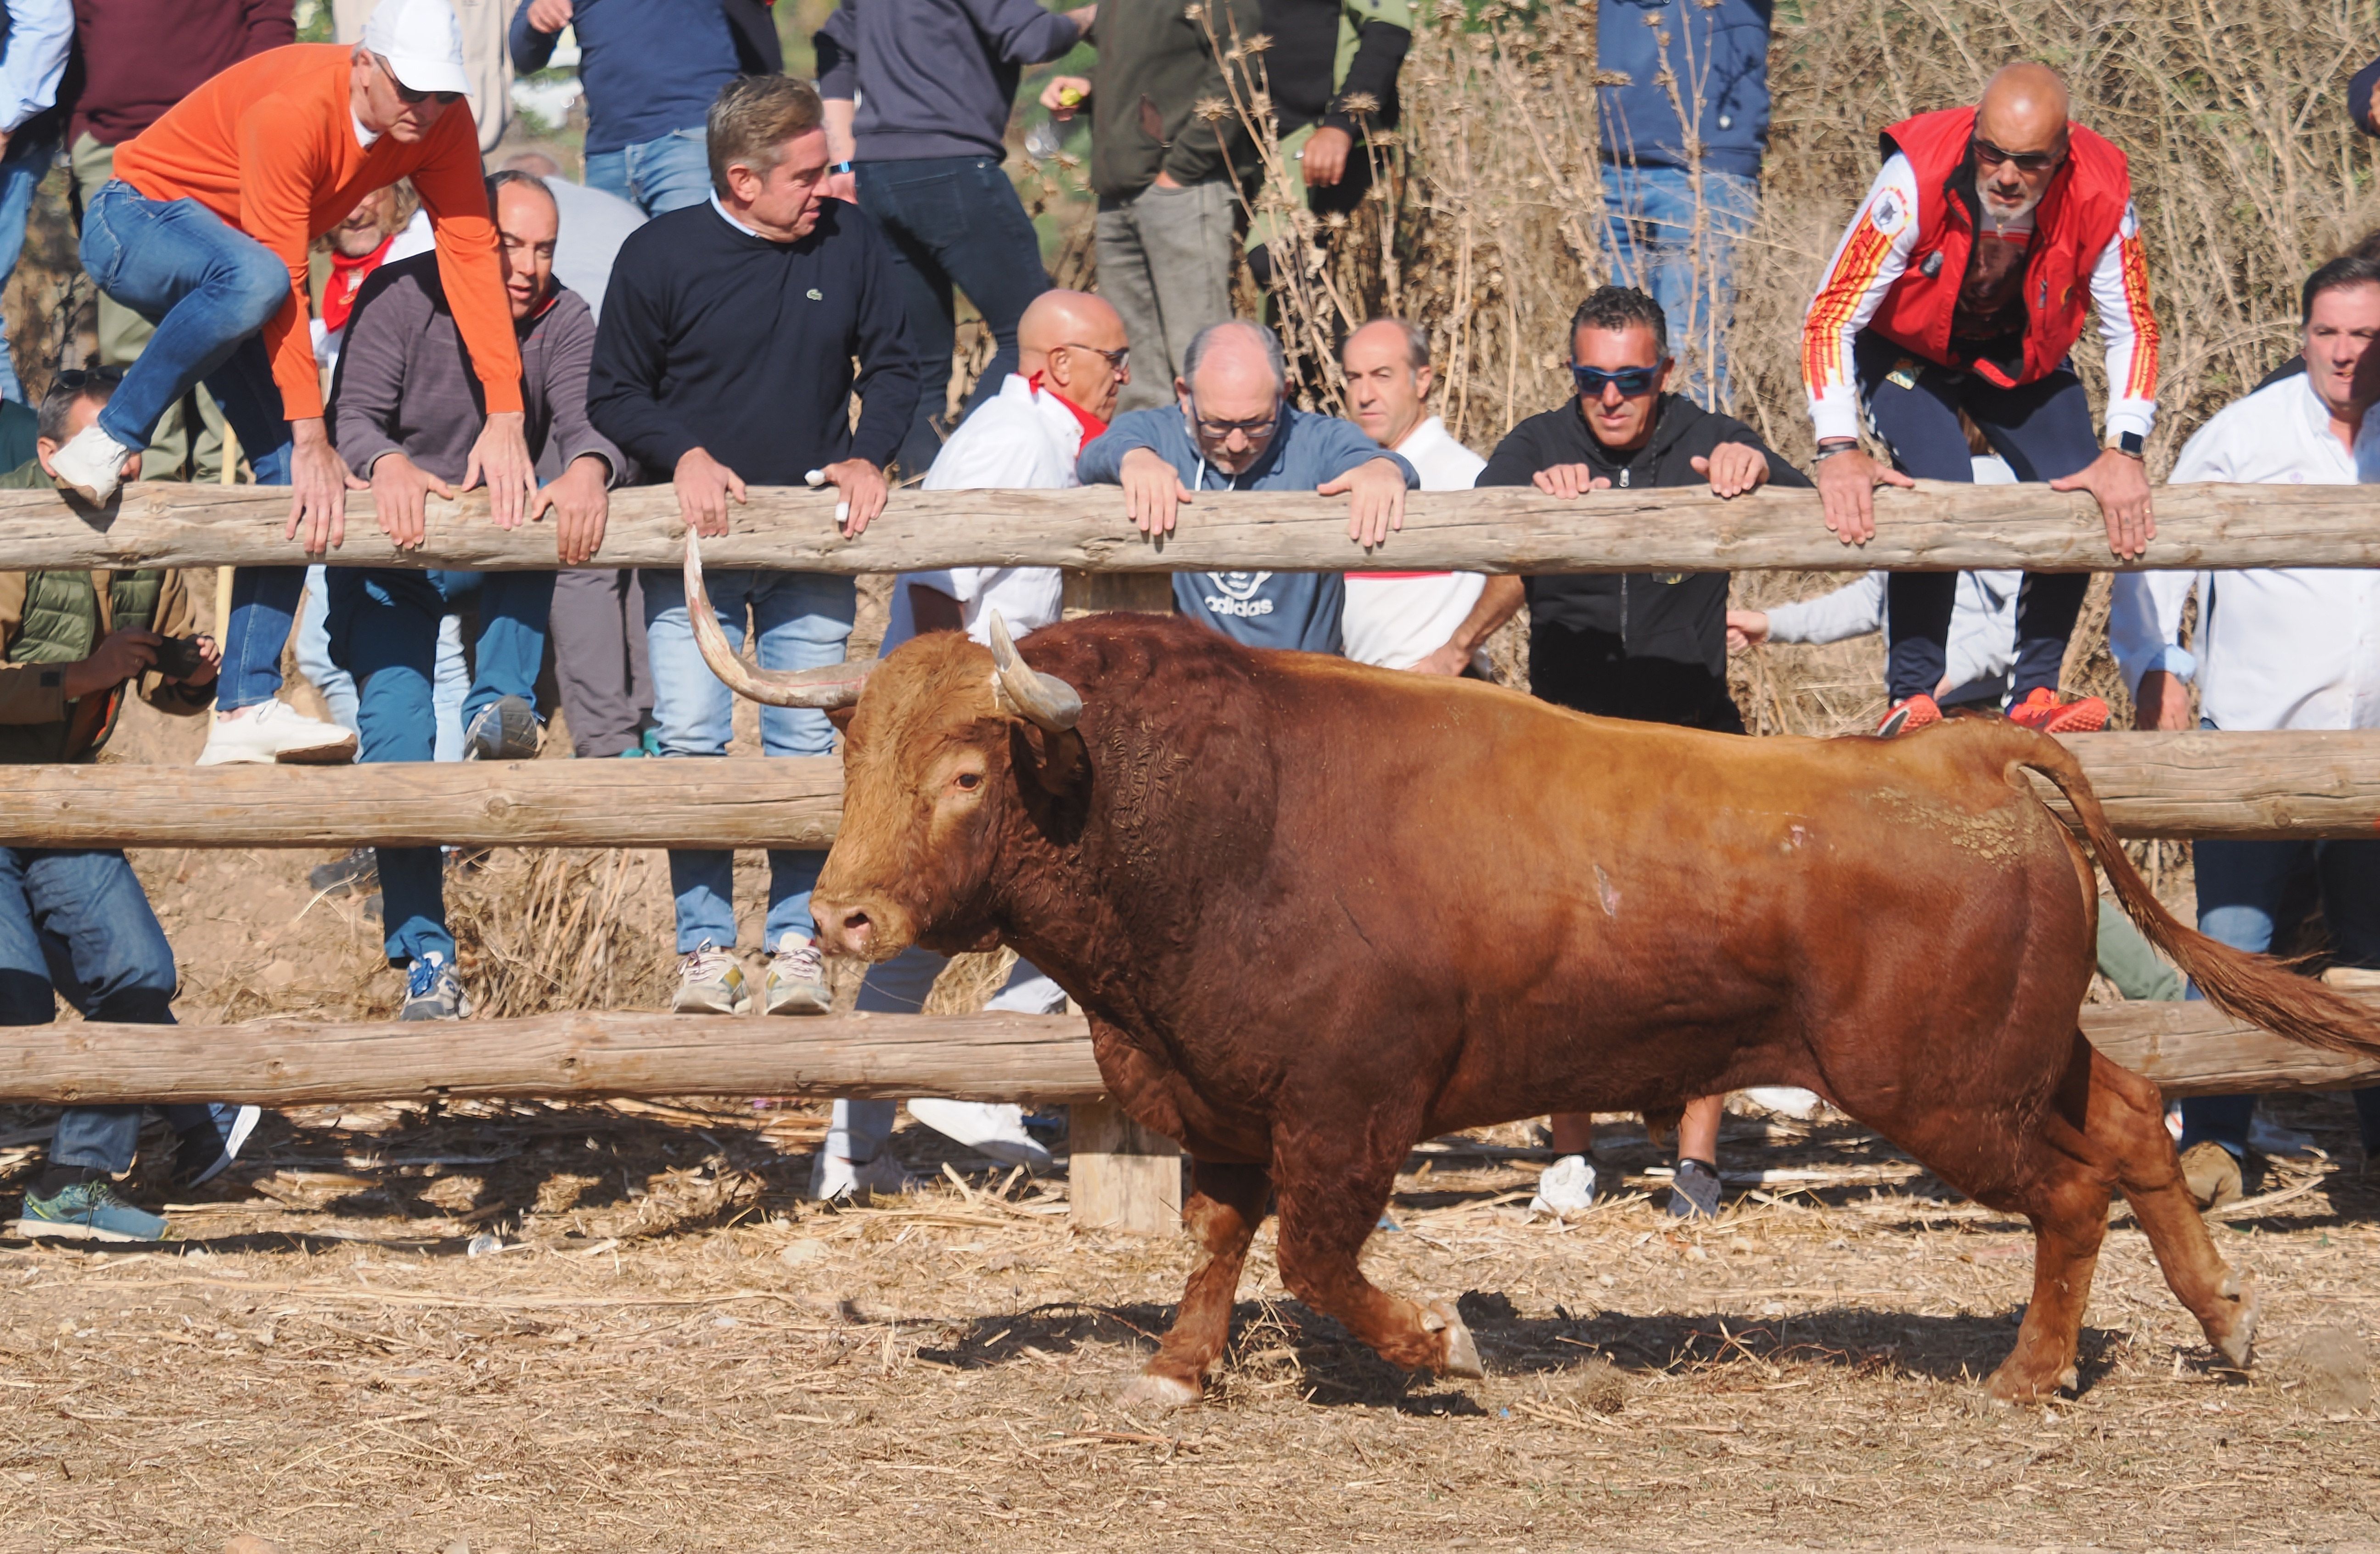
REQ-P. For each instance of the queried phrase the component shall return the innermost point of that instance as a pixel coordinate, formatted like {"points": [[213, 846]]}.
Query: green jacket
{"points": [[57, 617], [1156, 66]]}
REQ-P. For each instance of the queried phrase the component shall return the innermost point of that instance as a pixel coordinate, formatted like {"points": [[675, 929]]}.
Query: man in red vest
{"points": [[1961, 285]]}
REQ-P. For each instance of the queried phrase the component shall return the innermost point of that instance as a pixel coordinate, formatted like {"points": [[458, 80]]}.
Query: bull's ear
{"points": [[1050, 762]]}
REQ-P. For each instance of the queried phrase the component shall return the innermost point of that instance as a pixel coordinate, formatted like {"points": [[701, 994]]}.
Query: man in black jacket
{"points": [[1650, 645], [1645, 645]]}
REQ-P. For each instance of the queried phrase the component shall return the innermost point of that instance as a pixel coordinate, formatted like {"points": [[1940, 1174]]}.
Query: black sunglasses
{"points": [[406, 95], [1988, 154], [1115, 358], [1632, 382]]}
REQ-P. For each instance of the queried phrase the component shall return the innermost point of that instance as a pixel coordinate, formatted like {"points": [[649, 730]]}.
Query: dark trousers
{"points": [[2044, 430], [599, 664], [2241, 891], [1590, 672], [78, 924], [955, 221]]}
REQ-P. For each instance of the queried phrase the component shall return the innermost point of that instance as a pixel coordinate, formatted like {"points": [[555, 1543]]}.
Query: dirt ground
{"points": [[671, 1350]]}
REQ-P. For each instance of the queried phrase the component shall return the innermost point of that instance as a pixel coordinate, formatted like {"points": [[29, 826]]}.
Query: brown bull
{"points": [[1318, 912]]}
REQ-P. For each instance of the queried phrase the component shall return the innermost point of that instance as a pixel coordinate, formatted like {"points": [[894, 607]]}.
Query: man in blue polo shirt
{"points": [[1235, 429]]}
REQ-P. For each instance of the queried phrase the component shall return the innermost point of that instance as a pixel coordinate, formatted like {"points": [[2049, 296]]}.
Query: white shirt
{"points": [[2277, 646], [1024, 440], [1874, 253], [1397, 619], [1983, 620]]}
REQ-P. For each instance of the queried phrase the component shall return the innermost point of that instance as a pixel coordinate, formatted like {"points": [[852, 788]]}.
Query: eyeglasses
{"points": [[1255, 429], [1632, 382], [411, 98], [74, 380], [1116, 359], [1989, 155]]}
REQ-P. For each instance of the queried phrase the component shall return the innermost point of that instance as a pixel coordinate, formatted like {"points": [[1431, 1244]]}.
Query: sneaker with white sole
{"points": [[207, 1149], [275, 730], [834, 1178], [796, 979], [985, 1127], [710, 981], [91, 464], [87, 1209], [432, 991], [1565, 1188], [506, 729]]}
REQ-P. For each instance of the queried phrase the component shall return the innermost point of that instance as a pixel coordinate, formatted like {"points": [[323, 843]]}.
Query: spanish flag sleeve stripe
{"points": [[1867, 262]]}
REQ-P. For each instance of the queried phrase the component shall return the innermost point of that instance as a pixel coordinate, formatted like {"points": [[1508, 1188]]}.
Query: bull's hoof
{"points": [[1148, 1389], [2018, 1383], [2234, 1334], [1462, 1355]]}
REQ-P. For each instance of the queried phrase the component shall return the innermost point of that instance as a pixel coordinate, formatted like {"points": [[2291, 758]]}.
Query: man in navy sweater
{"points": [[724, 355]]}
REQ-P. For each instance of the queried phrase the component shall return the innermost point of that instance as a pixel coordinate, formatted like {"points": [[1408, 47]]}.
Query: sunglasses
{"points": [[1115, 358], [408, 96], [1989, 155], [1632, 382]]}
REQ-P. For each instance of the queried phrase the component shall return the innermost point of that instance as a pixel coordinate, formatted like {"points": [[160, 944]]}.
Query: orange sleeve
{"points": [[279, 170], [455, 194]]}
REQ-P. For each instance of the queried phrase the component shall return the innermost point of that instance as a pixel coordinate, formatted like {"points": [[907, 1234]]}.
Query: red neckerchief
{"points": [[1092, 426], [348, 277]]}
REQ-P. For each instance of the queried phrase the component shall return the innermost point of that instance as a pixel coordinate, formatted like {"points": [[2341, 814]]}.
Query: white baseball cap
{"points": [[423, 42]]}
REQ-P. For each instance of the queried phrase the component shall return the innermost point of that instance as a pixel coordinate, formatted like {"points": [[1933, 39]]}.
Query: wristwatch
{"points": [[839, 168], [1829, 450], [2127, 443]]}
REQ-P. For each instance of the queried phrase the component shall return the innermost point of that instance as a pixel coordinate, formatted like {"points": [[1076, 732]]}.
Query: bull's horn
{"points": [[1026, 691], [837, 684]]}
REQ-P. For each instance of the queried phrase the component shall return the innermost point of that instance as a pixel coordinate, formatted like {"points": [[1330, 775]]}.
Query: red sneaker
{"points": [[2043, 711], [1906, 716]]}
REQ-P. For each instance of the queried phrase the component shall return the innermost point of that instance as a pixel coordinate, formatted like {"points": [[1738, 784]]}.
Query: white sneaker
{"points": [[987, 1128], [2272, 1140], [1566, 1187], [833, 1177], [796, 981], [275, 730], [1785, 1101], [710, 981], [91, 464]]}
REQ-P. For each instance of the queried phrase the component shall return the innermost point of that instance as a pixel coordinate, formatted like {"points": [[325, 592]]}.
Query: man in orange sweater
{"points": [[204, 231]]}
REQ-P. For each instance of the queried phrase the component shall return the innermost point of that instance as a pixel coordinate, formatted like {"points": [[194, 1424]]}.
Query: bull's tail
{"points": [[2246, 987]]}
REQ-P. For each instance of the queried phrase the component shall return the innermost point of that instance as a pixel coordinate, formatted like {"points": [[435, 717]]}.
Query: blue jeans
{"points": [[2045, 432], [656, 176], [1688, 264], [859, 1130], [21, 172], [385, 630], [2240, 887], [209, 288], [954, 221], [804, 619], [78, 923]]}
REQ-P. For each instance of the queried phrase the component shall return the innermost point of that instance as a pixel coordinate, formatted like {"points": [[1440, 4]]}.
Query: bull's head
{"points": [[931, 760]]}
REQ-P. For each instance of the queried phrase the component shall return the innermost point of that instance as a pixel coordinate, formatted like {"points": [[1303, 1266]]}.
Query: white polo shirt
{"points": [[1397, 619]]}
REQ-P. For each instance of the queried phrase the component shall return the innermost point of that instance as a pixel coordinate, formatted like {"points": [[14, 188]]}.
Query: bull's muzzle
{"points": [[837, 684]]}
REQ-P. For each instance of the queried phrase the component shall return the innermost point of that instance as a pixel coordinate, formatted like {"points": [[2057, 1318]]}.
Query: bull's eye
{"points": [[969, 780]]}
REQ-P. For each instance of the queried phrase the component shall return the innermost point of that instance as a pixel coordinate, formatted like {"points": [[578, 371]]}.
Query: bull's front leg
{"points": [[1226, 1204], [1332, 1191]]}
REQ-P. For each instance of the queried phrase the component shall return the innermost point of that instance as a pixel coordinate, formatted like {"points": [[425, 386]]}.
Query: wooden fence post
{"points": [[1120, 1176]]}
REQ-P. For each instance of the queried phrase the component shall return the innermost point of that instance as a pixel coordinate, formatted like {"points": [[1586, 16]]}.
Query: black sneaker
{"points": [[207, 1149], [1694, 1193], [354, 875], [506, 729]]}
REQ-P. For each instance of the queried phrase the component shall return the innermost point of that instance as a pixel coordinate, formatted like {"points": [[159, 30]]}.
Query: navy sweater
{"points": [[934, 77], [715, 338], [650, 67]]}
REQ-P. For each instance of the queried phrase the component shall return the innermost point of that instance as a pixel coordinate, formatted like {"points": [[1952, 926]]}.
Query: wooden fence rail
{"points": [[2236, 785], [2190, 1048], [1937, 525]]}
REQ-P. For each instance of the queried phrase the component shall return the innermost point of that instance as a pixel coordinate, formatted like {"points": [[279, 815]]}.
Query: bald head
{"points": [[1233, 375], [1076, 342], [2020, 138], [537, 164]]}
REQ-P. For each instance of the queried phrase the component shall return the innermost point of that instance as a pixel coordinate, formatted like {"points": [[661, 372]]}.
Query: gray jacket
{"points": [[404, 382], [1262, 608]]}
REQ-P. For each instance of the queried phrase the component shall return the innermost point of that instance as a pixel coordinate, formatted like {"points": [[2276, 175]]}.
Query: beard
{"points": [[2006, 211]]}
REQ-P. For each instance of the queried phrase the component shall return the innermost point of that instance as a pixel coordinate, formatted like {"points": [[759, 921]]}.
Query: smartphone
{"points": [[178, 658]]}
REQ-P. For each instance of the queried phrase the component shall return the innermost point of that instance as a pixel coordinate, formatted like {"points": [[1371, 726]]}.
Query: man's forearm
{"points": [[841, 143], [1498, 603]]}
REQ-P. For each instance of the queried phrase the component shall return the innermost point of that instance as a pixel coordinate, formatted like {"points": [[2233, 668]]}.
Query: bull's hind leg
{"points": [[1226, 1204], [2127, 1122], [1330, 1198]]}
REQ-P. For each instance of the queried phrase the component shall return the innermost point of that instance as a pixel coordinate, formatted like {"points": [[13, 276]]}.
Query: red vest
{"points": [[2083, 212]]}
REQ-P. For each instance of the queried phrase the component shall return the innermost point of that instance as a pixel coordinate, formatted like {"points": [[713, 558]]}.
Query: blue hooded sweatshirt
{"points": [[1718, 55], [1262, 608]]}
